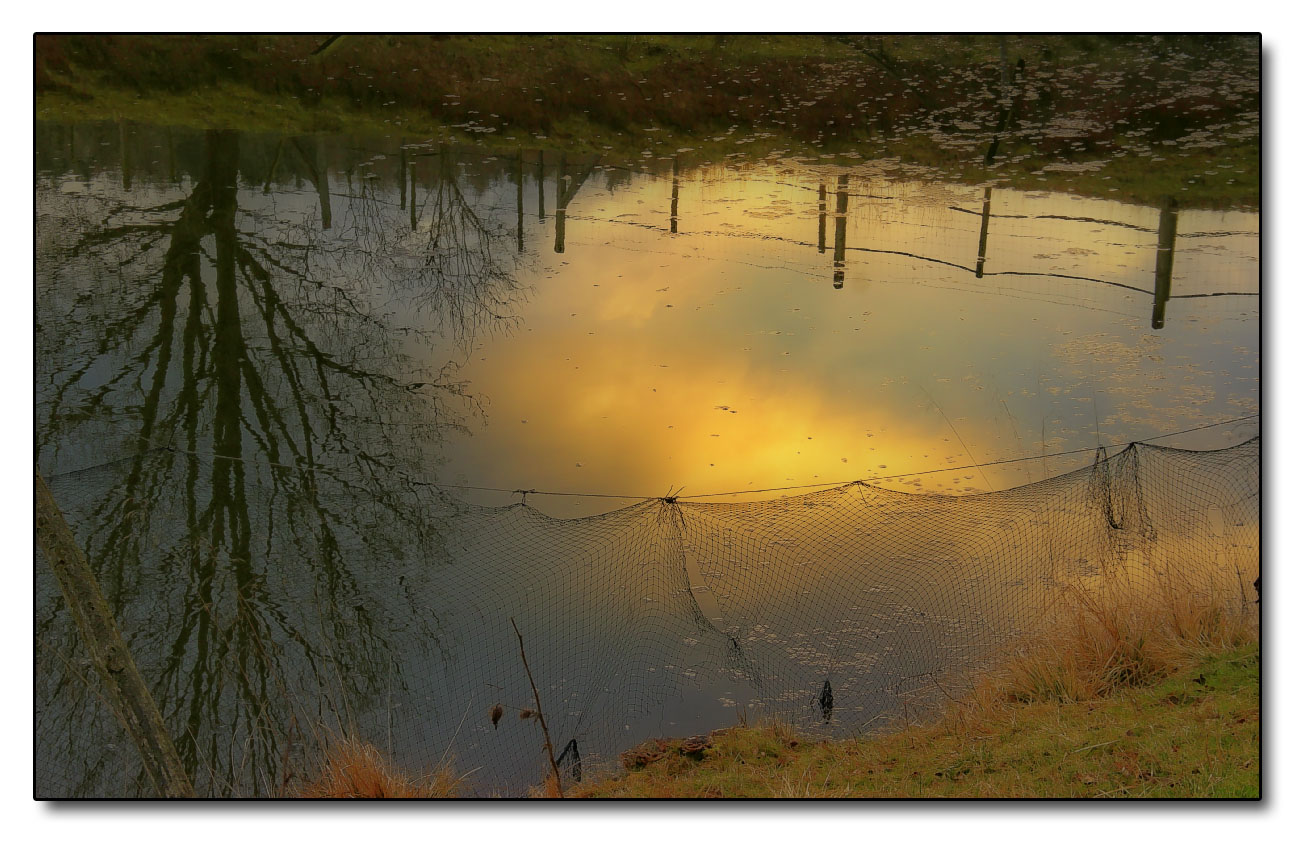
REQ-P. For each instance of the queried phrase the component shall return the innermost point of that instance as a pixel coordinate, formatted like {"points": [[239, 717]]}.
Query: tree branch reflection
{"points": [[263, 540]]}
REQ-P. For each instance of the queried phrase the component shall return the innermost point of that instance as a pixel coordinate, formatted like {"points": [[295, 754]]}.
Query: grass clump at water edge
{"points": [[354, 769]]}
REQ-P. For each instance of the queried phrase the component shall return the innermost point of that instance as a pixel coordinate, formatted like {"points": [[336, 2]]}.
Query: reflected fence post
{"points": [[1010, 85], [560, 211], [568, 187], [982, 233], [676, 191], [540, 184], [414, 219], [518, 175], [1163, 263], [401, 168], [840, 232], [171, 158], [321, 173], [821, 238], [124, 150]]}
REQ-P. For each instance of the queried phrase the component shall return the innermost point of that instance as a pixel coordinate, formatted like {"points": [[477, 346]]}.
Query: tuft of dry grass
{"points": [[354, 769], [1102, 639], [548, 790]]}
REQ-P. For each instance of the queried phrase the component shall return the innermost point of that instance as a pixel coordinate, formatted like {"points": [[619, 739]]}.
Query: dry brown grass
{"points": [[548, 790], [1104, 639], [353, 769]]}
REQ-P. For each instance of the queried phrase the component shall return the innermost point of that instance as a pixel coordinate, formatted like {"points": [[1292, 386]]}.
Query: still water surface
{"points": [[719, 329], [412, 325]]}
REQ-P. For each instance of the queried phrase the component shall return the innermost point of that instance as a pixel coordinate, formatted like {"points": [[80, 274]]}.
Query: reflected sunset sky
{"points": [[723, 358]]}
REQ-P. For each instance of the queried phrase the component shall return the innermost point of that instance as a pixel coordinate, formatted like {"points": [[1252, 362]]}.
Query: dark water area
{"points": [[327, 411]]}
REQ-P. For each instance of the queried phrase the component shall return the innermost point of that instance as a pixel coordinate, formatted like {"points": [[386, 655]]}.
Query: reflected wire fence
{"points": [[844, 610]]}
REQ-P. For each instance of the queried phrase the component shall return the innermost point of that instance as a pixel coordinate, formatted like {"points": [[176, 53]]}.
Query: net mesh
{"points": [[266, 622]]}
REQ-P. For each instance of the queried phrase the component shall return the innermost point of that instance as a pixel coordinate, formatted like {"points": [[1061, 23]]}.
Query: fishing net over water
{"points": [[263, 625]]}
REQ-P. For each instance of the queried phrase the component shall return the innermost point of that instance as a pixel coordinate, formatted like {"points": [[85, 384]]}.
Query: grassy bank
{"points": [[1117, 699], [1132, 118], [1193, 734]]}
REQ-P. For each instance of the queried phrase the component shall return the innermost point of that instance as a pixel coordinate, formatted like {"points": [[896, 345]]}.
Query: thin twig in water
{"points": [[549, 746]]}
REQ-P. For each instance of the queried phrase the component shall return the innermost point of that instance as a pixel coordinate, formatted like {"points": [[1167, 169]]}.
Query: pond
{"points": [[327, 411]]}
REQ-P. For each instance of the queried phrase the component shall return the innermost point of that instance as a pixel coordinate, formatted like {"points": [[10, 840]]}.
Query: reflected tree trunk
{"points": [[260, 412], [274, 165]]}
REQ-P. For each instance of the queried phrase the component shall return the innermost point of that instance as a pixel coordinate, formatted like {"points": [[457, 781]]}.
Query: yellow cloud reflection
{"points": [[724, 357]]}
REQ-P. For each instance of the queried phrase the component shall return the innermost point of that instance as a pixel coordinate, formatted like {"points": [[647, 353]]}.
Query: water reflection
{"points": [[283, 344], [258, 407], [840, 232], [1163, 266]]}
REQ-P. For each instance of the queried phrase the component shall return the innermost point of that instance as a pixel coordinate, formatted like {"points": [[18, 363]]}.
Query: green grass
{"points": [[1193, 734]]}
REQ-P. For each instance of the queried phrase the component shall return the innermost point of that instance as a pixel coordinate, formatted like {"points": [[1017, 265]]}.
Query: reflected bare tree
{"points": [[265, 536], [458, 265]]}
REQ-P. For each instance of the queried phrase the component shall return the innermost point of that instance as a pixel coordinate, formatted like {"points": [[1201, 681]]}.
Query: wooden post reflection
{"points": [[322, 186], [540, 184], [519, 202], [1163, 263], [821, 238], [676, 191], [124, 150], [568, 187], [840, 232], [1009, 88], [560, 212], [414, 220], [982, 234], [171, 158], [401, 168]]}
